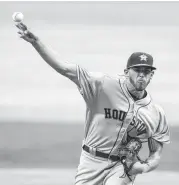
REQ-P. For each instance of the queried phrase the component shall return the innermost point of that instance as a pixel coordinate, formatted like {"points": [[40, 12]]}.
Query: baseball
{"points": [[17, 16]]}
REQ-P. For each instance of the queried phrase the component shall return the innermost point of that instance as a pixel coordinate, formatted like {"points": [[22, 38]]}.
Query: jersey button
{"points": [[123, 130]]}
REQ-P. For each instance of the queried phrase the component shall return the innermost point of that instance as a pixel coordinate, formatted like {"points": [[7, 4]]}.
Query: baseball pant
{"points": [[94, 170]]}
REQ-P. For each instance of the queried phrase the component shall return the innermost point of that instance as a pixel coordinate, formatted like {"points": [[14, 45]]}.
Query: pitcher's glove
{"points": [[129, 154]]}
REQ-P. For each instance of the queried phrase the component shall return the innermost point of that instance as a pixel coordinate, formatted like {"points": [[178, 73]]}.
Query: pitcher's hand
{"points": [[25, 33], [137, 168]]}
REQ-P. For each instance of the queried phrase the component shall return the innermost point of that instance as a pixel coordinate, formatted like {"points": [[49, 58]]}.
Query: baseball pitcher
{"points": [[120, 115]]}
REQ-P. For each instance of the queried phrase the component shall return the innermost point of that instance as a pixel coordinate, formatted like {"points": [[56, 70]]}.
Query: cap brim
{"points": [[145, 65]]}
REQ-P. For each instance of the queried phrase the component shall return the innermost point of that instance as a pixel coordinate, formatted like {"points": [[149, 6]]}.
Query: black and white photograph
{"points": [[89, 92]]}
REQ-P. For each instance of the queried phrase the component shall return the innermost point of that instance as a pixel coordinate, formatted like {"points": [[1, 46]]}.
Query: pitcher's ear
{"points": [[152, 74], [126, 72]]}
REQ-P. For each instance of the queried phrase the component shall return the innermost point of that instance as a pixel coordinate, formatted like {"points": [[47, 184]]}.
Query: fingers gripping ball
{"points": [[17, 16]]}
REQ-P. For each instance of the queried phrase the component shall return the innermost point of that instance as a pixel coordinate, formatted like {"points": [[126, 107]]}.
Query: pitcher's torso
{"points": [[108, 115]]}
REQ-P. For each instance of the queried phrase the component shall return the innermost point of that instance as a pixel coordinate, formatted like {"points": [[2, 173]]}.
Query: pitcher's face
{"points": [[140, 77]]}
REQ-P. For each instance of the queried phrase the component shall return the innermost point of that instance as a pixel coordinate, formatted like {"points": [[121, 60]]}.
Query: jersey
{"points": [[112, 114]]}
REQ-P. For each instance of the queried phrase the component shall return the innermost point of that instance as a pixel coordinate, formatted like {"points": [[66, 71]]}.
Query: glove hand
{"points": [[25, 33], [137, 168], [129, 157]]}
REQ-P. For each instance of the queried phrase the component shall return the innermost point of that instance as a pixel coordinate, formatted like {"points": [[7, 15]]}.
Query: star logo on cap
{"points": [[143, 57]]}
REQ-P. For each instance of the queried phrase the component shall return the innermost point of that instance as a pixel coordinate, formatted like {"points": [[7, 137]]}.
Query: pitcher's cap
{"points": [[140, 59]]}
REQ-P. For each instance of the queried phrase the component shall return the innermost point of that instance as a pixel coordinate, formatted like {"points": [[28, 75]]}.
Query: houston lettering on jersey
{"points": [[138, 125], [114, 114]]}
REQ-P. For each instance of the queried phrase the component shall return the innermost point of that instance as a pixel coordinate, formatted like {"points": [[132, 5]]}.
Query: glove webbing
{"points": [[126, 168]]}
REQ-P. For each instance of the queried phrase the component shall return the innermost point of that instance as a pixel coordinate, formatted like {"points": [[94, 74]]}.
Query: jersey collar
{"points": [[142, 102]]}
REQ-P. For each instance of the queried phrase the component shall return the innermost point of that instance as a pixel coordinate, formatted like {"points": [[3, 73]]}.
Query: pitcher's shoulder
{"points": [[157, 108], [116, 77], [113, 77], [111, 81]]}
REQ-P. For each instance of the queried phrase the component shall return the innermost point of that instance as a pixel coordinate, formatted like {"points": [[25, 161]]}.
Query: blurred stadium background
{"points": [[42, 113]]}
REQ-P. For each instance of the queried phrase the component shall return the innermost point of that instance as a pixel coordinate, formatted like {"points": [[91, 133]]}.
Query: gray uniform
{"points": [[111, 115]]}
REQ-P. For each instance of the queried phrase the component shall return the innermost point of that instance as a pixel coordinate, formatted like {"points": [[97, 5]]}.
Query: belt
{"points": [[101, 154]]}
